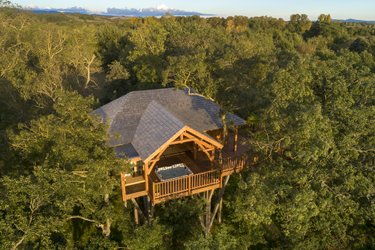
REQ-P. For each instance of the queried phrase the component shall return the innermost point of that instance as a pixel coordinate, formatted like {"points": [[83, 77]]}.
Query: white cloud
{"points": [[162, 7]]}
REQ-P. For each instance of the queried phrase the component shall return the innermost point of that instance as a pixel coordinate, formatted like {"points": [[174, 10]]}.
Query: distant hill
{"points": [[159, 11], [354, 21], [68, 10]]}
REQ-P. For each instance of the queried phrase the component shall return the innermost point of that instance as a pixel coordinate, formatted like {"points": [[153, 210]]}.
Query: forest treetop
{"points": [[306, 88]]}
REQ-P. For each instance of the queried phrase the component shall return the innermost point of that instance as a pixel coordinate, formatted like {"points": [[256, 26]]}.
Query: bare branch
{"points": [[18, 243], [88, 69], [196, 94], [83, 218]]}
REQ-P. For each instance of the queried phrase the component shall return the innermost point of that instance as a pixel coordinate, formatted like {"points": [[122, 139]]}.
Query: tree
{"points": [[7, 4], [325, 18], [359, 45], [65, 151], [299, 23]]}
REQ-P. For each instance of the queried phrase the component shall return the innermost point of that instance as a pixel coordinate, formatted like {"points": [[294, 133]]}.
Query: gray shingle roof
{"points": [[126, 150], [143, 119], [156, 127]]}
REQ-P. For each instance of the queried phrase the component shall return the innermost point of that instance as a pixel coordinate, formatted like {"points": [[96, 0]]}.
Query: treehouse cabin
{"points": [[175, 141]]}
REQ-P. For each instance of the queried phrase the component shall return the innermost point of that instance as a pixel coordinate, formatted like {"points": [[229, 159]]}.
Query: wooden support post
{"points": [[138, 211], [150, 211], [153, 192], [146, 206], [195, 151], [220, 210], [208, 209], [235, 140], [135, 170], [206, 219], [213, 155], [136, 217], [207, 228], [123, 187], [189, 184], [146, 176]]}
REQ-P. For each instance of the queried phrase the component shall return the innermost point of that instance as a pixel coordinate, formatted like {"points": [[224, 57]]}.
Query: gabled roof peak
{"points": [[156, 126]]}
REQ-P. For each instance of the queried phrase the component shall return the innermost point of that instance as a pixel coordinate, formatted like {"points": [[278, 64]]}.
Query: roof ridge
{"points": [[154, 126], [153, 102], [149, 90]]}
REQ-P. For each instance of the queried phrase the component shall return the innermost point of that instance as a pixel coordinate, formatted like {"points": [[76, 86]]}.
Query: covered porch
{"points": [[206, 174]]}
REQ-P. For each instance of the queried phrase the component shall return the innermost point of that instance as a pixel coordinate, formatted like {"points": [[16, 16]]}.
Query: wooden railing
{"points": [[234, 163], [184, 185], [205, 179]]}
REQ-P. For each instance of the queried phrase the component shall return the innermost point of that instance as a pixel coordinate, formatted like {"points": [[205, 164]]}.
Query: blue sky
{"points": [[339, 9]]}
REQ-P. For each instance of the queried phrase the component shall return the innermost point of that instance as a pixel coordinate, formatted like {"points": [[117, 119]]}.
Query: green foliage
{"points": [[7, 4], [299, 23], [145, 237]]}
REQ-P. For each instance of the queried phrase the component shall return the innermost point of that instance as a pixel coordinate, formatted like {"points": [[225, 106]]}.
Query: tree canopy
{"points": [[306, 89]]}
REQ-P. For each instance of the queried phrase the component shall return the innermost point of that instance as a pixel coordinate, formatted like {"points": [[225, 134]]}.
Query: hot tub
{"points": [[172, 172]]}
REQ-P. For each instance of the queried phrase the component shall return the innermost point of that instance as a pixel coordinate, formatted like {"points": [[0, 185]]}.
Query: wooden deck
{"points": [[206, 176]]}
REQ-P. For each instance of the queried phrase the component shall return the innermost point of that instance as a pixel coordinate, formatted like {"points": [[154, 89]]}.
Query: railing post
{"points": [[189, 184], [123, 187], [235, 139], [153, 193]]}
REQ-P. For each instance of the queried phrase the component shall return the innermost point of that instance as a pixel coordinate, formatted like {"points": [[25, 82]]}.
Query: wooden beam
{"points": [[195, 151], [135, 180], [235, 140], [204, 146], [204, 137], [136, 194], [205, 142], [156, 159], [152, 166], [213, 155], [177, 140], [211, 194], [135, 159], [165, 145], [182, 141], [146, 176], [203, 149], [194, 137], [123, 187], [207, 150], [153, 193]]}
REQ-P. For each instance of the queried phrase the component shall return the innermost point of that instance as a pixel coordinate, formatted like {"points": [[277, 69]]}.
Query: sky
{"points": [[339, 9]]}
